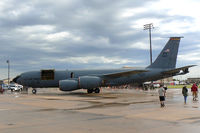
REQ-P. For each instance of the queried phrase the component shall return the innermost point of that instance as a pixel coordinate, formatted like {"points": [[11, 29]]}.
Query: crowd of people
{"points": [[194, 90]]}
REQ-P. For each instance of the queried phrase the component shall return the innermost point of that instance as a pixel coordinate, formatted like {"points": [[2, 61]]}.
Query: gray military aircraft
{"points": [[69, 80]]}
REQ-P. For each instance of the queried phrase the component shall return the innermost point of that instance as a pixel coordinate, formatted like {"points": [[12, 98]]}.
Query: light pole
{"points": [[8, 71], [149, 27]]}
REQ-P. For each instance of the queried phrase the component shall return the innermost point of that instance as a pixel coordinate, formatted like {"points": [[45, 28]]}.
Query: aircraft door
{"points": [[72, 75]]}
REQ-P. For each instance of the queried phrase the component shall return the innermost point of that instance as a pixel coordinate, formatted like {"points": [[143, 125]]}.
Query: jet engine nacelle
{"points": [[85, 82], [89, 82], [68, 85]]}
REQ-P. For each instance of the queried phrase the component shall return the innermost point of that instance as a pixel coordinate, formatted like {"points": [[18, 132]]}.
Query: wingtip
{"points": [[193, 65]]}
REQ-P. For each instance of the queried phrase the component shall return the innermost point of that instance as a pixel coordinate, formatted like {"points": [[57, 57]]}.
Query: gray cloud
{"points": [[48, 34]]}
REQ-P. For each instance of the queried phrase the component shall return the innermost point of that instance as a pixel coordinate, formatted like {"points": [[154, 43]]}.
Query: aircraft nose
{"points": [[16, 79]]}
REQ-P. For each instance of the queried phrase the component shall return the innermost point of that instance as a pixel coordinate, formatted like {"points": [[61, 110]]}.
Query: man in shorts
{"points": [[161, 92]]}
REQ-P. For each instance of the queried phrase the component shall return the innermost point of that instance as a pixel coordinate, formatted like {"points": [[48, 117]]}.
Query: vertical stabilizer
{"points": [[167, 57]]}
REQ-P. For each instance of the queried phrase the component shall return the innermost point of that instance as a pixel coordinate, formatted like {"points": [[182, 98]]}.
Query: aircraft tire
{"points": [[97, 90], [34, 91], [89, 91]]}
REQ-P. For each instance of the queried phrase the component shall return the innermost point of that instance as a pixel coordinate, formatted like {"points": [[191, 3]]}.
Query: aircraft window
{"points": [[47, 74]]}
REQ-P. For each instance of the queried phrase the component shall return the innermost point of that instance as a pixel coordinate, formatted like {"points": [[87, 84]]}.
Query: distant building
{"points": [[5, 81], [165, 81], [193, 80]]}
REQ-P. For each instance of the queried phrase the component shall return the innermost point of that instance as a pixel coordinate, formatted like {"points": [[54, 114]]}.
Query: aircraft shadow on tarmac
{"points": [[111, 95]]}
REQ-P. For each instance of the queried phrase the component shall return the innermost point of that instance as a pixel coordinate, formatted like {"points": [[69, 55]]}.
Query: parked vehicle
{"points": [[156, 85], [15, 87]]}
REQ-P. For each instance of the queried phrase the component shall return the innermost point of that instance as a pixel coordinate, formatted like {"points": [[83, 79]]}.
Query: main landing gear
{"points": [[34, 91], [96, 90]]}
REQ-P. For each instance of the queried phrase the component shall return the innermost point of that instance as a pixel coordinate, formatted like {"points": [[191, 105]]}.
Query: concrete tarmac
{"points": [[111, 111]]}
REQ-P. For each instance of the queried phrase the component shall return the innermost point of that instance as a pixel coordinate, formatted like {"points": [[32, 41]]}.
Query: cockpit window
{"points": [[47, 74]]}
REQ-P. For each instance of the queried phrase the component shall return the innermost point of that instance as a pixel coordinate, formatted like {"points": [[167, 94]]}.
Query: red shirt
{"points": [[194, 88]]}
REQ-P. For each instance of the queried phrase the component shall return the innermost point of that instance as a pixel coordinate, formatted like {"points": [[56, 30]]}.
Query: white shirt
{"points": [[161, 92]]}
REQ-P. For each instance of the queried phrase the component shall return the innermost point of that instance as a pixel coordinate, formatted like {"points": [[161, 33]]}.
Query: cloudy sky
{"points": [[73, 34]]}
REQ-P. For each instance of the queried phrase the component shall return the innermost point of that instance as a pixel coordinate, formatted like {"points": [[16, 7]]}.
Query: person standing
{"points": [[185, 93], [194, 90], [161, 92]]}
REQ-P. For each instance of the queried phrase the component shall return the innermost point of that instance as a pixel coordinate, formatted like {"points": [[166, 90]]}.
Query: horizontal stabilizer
{"points": [[123, 74], [177, 70]]}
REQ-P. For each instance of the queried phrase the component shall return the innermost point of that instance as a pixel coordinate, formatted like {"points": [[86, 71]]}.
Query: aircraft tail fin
{"points": [[168, 56]]}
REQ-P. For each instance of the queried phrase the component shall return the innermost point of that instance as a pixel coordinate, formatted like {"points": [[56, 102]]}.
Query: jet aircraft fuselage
{"points": [[33, 78]]}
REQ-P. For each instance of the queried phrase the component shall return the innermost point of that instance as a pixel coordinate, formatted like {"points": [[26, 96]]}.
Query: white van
{"points": [[15, 87]]}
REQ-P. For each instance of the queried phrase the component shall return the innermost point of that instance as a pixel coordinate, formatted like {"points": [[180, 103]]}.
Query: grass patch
{"points": [[178, 86]]}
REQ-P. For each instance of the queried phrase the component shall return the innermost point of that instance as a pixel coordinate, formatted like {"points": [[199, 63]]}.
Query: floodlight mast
{"points": [[8, 71], [149, 27]]}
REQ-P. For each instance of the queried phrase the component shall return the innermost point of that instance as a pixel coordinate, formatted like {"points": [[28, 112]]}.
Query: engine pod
{"points": [[89, 82], [68, 85]]}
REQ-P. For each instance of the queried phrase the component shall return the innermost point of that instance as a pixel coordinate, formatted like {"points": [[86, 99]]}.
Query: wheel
{"points": [[34, 91], [89, 91], [97, 90]]}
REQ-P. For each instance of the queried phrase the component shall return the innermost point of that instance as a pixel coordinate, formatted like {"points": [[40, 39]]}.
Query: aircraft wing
{"points": [[123, 74], [178, 71]]}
